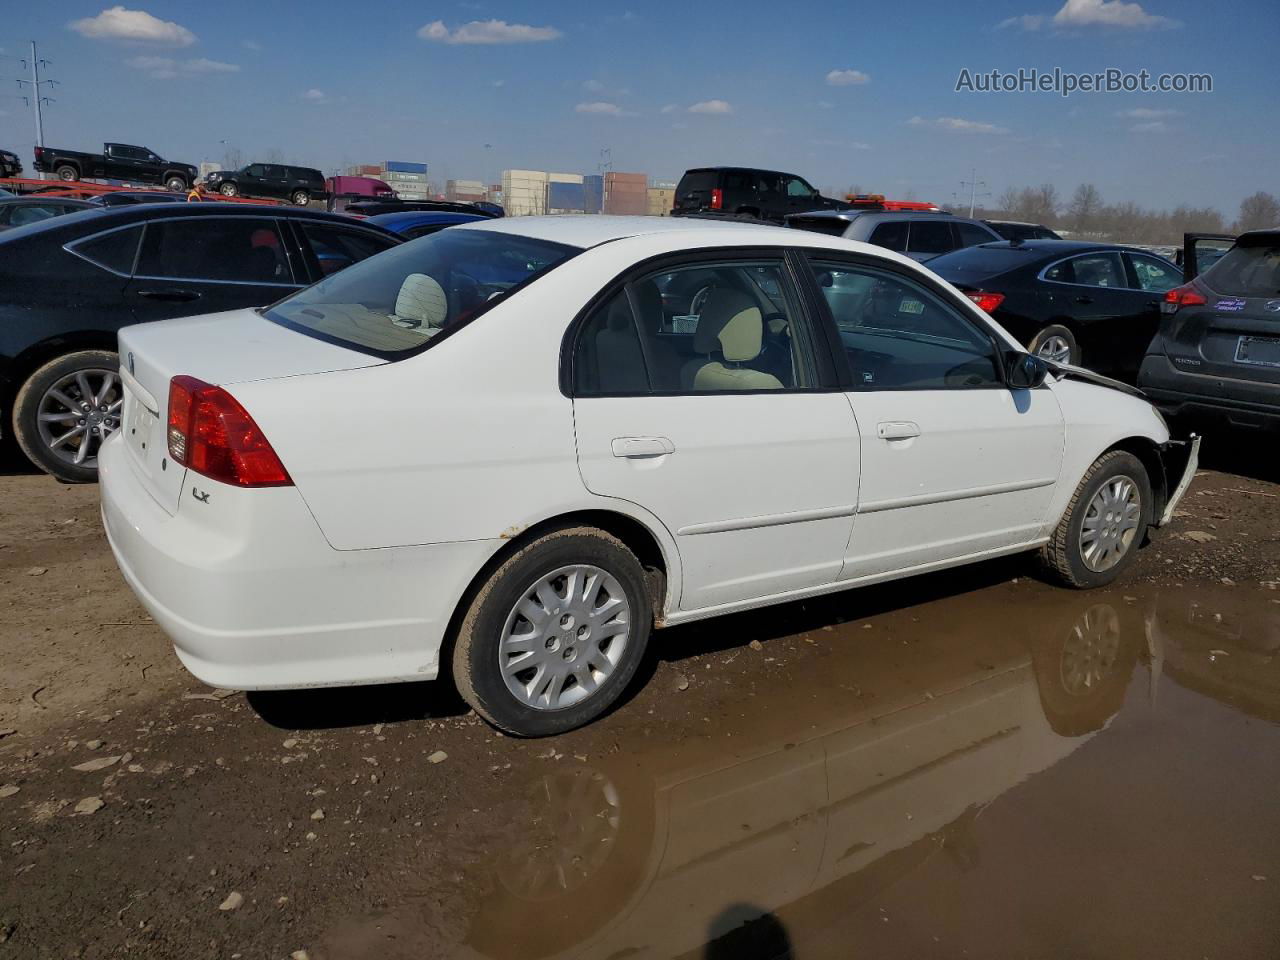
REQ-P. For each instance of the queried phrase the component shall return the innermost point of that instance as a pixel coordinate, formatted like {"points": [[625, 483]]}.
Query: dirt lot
{"points": [[144, 815]]}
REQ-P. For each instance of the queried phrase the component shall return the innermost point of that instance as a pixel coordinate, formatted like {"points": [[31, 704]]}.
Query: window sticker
{"points": [[911, 306]]}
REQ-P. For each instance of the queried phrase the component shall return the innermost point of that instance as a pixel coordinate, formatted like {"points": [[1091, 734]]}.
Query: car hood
{"points": [[1070, 372]]}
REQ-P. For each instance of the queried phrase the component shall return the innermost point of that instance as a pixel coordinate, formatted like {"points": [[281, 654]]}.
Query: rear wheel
{"points": [[555, 635], [229, 190], [1058, 344], [66, 409], [1098, 537], [300, 198], [67, 172]]}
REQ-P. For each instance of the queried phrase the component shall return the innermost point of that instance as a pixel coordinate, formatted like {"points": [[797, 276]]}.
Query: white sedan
{"points": [[509, 450]]}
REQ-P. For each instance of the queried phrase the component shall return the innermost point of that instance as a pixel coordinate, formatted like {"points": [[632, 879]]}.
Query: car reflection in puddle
{"points": [[1037, 788]]}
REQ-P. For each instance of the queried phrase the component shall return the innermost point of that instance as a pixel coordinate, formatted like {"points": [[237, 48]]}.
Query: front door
{"points": [[725, 422], [954, 464], [205, 264]]}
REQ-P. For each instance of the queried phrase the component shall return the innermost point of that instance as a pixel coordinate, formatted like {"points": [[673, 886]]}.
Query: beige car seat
{"points": [[732, 326], [422, 302]]}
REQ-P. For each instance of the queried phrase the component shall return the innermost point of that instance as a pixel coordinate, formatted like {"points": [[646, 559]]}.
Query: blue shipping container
{"points": [[404, 166], [566, 196], [593, 188]]}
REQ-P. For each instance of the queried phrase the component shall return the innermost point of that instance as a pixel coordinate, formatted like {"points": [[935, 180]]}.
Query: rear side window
{"points": [[393, 305], [971, 234], [1252, 271], [227, 250], [930, 236], [739, 182], [114, 251], [891, 235]]}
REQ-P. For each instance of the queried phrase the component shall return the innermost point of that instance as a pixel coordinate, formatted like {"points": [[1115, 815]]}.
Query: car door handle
{"points": [[1084, 299], [641, 447], [170, 296], [897, 430]]}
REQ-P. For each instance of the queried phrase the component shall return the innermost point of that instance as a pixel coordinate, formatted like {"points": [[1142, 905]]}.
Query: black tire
{"points": [[176, 183], [1056, 331], [1062, 557], [476, 653], [1083, 665], [26, 409], [228, 189], [65, 171], [300, 198]]}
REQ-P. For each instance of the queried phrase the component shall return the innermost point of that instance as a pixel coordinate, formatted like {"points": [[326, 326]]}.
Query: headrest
{"points": [[422, 298], [731, 323]]}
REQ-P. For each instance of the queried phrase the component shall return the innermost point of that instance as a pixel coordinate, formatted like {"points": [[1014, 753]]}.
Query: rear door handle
{"points": [[1085, 300], [898, 430], [641, 447], [170, 296]]}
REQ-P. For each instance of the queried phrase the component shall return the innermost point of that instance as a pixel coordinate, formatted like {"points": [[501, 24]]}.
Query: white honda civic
{"points": [[509, 450]]}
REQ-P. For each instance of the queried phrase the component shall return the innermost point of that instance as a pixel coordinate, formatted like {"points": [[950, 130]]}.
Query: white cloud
{"points": [[957, 125], [1154, 126], [712, 106], [1028, 21], [1108, 13], [488, 32], [253, 45], [136, 26], [1146, 113], [601, 108], [166, 68], [670, 108], [847, 78], [315, 96]]}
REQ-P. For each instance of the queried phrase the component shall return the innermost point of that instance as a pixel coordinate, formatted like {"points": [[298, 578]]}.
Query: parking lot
{"points": [[899, 767]]}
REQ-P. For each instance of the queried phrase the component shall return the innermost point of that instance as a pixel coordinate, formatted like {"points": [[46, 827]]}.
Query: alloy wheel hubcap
{"points": [[565, 637], [1110, 524], [78, 412], [1091, 650], [1055, 348]]}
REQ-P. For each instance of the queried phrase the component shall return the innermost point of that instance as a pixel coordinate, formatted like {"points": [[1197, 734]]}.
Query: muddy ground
{"points": [[966, 764]]}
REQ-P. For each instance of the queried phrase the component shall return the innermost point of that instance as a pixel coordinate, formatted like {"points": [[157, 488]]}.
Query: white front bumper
{"points": [[254, 597]]}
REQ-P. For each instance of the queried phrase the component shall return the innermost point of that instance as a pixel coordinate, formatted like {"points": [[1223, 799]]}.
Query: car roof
{"points": [[1046, 249], [853, 214], [404, 218], [740, 169], [1015, 223], [590, 230], [44, 198]]}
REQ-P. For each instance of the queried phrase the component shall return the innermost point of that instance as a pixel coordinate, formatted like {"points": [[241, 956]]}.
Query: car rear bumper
{"points": [[254, 598], [1180, 393]]}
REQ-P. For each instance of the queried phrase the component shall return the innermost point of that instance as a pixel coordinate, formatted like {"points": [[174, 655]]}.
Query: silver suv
{"points": [[919, 234]]}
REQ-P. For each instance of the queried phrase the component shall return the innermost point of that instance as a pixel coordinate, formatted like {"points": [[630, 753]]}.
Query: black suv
{"points": [[298, 185], [1217, 353], [747, 194]]}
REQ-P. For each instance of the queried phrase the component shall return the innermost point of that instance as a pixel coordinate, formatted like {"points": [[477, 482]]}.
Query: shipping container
{"points": [[392, 177], [660, 201], [593, 186], [564, 178], [404, 166], [566, 196], [365, 170]]}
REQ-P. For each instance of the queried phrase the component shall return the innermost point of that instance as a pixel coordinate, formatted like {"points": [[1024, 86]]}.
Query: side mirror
{"points": [[1023, 371]]}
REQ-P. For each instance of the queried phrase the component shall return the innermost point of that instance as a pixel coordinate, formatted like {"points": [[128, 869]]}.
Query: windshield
{"points": [[1252, 271], [394, 303]]}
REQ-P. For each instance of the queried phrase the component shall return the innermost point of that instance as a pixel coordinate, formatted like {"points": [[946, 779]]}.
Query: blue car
{"points": [[412, 224]]}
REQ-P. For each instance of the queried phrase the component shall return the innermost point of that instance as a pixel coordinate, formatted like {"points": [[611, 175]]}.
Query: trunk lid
{"points": [[221, 349]]}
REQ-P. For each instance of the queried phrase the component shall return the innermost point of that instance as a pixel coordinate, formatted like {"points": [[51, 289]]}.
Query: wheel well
{"points": [[1149, 454], [57, 164], [31, 360], [633, 534]]}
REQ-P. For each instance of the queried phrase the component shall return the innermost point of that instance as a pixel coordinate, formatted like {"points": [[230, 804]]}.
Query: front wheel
{"points": [[66, 409], [555, 635], [176, 183], [300, 198], [1098, 537], [229, 190]]}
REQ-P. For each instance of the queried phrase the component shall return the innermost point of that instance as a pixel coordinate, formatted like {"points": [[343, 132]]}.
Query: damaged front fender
{"points": [[1179, 458]]}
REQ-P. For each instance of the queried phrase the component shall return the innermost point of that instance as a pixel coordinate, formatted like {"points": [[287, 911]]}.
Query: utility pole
{"points": [[37, 98], [973, 183]]}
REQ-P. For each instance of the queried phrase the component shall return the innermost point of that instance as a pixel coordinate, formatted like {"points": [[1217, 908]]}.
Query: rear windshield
{"points": [[698, 180], [394, 303], [985, 260], [1252, 271], [831, 226]]}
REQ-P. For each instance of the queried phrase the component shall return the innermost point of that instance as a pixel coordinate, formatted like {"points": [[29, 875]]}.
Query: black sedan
{"points": [[68, 284], [20, 211], [1089, 304]]}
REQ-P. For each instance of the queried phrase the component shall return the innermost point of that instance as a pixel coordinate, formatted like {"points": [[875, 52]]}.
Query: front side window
{"points": [[897, 335], [891, 235], [257, 170], [337, 248], [226, 249], [394, 304], [930, 236], [798, 188], [717, 327], [1099, 270], [1153, 275]]}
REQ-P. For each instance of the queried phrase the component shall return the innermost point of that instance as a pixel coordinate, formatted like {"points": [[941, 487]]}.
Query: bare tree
{"points": [[1258, 211], [1007, 203], [1086, 205], [1040, 204], [232, 159]]}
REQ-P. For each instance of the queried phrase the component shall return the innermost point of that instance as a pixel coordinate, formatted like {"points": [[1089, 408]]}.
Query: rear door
{"points": [[191, 265], [724, 422], [1094, 290]]}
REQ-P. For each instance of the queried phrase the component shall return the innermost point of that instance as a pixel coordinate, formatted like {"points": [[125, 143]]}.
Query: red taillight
{"points": [[717, 198], [1184, 296], [986, 301], [210, 433]]}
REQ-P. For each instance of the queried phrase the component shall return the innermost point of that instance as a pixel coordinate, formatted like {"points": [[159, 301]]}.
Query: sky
{"points": [[844, 94]]}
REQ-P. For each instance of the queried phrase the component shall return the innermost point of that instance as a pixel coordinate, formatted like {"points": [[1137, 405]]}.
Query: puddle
{"points": [[1012, 772]]}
